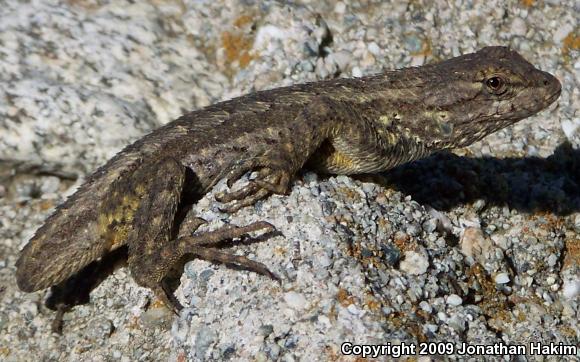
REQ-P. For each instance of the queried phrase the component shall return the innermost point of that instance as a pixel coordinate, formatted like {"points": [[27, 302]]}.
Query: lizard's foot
{"points": [[201, 245], [268, 181]]}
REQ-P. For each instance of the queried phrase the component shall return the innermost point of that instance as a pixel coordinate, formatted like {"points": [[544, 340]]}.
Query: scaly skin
{"points": [[343, 126]]}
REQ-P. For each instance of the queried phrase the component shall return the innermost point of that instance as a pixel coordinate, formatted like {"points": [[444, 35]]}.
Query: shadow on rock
{"points": [[530, 184]]}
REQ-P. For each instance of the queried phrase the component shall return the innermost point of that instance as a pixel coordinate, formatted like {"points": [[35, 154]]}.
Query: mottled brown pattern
{"points": [[343, 126]]}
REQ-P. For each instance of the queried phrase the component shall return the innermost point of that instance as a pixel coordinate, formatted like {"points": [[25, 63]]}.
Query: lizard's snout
{"points": [[552, 86]]}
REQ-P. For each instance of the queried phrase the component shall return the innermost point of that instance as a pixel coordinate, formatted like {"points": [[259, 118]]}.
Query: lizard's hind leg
{"points": [[155, 247], [202, 245], [153, 225]]}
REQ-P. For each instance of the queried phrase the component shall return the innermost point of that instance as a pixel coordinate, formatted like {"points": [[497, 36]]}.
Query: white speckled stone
{"points": [[295, 300], [454, 300], [414, 263], [502, 278]]}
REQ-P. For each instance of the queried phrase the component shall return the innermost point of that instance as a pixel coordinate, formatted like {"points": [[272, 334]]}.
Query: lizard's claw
{"points": [[164, 293]]}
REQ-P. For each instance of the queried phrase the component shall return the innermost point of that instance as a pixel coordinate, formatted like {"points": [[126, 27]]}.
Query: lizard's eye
{"points": [[495, 85]]}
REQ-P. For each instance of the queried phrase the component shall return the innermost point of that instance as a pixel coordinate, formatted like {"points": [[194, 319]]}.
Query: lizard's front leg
{"points": [[295, 143], [154, 246]]}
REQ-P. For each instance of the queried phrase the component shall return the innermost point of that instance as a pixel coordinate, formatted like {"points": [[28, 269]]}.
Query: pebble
{"points": [[475, 244], [342, 59], [442, 317], [552, 260], [266, 330], [374, 48], [414, 263], [571, 288], [391, 254], [458, 323], [502, 278], [99, 330], [50, 185], [356, 72], [454, 300], [413, 43], [340, 7], [562, 31], [577, 221], [295, 300], [353, 309], [570, 127], [518, 27], [430, 225], [426, 307]]}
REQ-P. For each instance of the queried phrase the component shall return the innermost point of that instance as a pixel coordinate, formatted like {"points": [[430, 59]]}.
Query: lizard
{"points": [[342, 126]]}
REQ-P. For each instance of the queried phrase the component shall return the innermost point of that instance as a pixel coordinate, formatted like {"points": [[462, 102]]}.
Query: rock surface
{"points": [[477, 246]]}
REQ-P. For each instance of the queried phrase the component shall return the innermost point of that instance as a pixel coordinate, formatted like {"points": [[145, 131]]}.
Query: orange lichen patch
{"points": [[572, 257], [521, 317], [133, 323], [245, 59], [242, 21], [571, 42], [551, 221], [331, 353], [238, 43], [399, 320], [528, 3], [237, 47], [344, 298], [421, 313], [402, 241], [372, 303], [45, 205], [494, 303], [181, 357]]}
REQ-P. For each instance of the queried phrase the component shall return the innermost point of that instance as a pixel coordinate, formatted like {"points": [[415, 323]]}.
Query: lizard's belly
{"points": [[345, 158]]}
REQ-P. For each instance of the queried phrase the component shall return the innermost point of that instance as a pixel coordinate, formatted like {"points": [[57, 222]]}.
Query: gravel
{"points": [[479, 246]]}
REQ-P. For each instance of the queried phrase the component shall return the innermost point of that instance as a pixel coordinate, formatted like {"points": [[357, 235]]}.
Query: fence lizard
{"points": [[341, 126]]}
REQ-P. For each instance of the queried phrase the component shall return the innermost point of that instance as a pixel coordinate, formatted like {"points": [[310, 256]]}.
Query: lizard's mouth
{"points": [[551, 98]]}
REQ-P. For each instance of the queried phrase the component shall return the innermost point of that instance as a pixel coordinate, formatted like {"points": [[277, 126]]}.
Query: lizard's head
{"points": [[477, 94]]}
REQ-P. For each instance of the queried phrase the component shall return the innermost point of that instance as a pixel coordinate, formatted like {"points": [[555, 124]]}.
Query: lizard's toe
{"points": [[268, 181], [247, 201]]}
